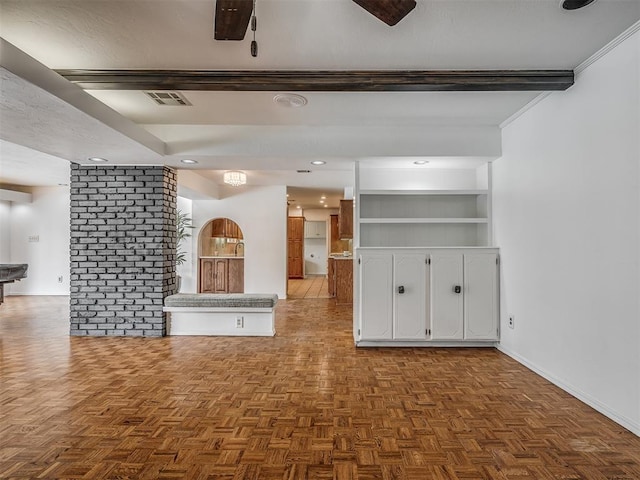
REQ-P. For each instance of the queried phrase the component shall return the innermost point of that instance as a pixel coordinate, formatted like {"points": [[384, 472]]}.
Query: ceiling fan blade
{"points": [[389, 11], [232, 19]]}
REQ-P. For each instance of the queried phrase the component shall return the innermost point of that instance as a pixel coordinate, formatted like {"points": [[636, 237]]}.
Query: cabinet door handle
{"points": [[401, 289], [457, 289]]}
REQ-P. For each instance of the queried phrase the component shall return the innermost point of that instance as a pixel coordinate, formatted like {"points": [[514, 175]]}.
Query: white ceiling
{"points": [[247, 130]]}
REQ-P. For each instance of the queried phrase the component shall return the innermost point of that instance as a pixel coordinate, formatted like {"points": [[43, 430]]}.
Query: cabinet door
{"points": [[446, 304], [331, 277], [207, 275], [295, 233], [345, 219], [480, 296], [221, 274], [410, 292], [236, 275], [218, 228], [376, 296]]}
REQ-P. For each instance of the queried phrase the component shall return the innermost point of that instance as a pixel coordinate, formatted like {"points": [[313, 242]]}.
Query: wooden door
{"points": [[447, 296], [236, 275], [295, 247], [220, 284], [376, 296], [480, 296], [410, 292], [207, 275]]}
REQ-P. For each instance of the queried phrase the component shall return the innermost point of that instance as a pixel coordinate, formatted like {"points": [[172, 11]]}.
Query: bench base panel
{"points": [[223, 323]]}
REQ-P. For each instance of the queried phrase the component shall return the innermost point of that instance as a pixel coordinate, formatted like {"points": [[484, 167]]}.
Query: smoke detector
{"points": [[290, 100]]}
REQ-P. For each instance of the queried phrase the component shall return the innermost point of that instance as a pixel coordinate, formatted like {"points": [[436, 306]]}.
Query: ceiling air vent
{"points": [[173, 99]]}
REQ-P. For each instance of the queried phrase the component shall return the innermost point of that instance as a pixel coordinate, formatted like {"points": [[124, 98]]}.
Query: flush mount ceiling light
{"points": [[235, 178], [574, 4], [97, 159], [420, 162], [188, 161], [290, 100], [318, 162]]}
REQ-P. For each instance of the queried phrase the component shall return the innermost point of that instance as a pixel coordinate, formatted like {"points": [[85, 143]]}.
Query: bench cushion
{"points": [[229, 300]]}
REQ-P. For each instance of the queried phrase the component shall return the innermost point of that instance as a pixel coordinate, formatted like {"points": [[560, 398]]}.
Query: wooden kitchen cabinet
{"points": [[221, 275], [235, 283], [344, 280], [331, 276], [295, 247], [345, 219], [225, 228]]}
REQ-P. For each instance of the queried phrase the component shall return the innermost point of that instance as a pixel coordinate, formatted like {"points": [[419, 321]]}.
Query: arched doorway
{"points": [[221, 257]]}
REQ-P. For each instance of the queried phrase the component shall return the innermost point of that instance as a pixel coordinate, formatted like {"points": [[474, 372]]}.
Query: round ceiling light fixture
{"points": [[234, 178], [574, 4], [318, 162], [188, 161], [420, 162], [97, 159], [290, 100]]}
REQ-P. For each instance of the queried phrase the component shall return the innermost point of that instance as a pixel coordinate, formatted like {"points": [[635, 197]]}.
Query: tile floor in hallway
{"points": [[305, 404]]}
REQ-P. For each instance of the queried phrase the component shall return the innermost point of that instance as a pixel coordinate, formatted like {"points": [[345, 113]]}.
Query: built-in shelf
{"points": [[424, 220], [415, 218]]}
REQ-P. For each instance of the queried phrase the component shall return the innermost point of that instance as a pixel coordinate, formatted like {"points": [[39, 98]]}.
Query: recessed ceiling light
{"points": [[321, 201], [97, 159], [318, 162], [326, 206], [323, 197], [290, 100], [298, 206], [574, 4], [420, 162], [188, 161]]}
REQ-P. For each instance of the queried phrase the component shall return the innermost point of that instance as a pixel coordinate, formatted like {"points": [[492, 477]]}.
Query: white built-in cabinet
{"points": [[427, 295], [315, 229]]}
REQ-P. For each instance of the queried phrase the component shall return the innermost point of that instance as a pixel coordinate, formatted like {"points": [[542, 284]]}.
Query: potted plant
{"points": [[183, 227]]}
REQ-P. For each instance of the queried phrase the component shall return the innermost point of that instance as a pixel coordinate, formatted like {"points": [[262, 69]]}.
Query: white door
{"points": [[410, 291], [447, 314], [376, 296], [480, 296]]}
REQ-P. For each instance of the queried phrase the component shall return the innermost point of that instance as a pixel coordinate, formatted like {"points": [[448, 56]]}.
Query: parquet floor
{"points": [[302, 405], [311, 287]]}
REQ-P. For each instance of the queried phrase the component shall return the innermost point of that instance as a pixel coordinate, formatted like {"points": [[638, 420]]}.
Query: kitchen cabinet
{"points": [[315, 229], [295, 247], [345, 219], [344, 280], [331, 277], [428, 295], [337, 245], [225, 228], [221, 275]]}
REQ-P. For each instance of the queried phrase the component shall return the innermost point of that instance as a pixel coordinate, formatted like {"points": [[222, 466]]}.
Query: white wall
{"points": [[261, 214], [566, 199], [5, 232], [189, 281], [47, 218]]}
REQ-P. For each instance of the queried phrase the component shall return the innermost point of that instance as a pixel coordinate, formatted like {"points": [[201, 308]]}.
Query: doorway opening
{"points": [[221, 257]]}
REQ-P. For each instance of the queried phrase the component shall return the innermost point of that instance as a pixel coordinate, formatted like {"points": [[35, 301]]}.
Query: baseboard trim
{"points": [[623, 421]]}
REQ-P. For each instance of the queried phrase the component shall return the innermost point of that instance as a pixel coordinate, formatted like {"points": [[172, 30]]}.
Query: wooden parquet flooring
{"points": [[305, 404], [311, 287]]}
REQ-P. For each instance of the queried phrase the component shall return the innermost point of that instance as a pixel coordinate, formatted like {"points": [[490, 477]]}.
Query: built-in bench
{"points": [[237, 314]]}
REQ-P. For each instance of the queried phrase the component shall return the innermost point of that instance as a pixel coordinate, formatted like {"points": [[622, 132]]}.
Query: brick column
{"points": [[123, 246]]}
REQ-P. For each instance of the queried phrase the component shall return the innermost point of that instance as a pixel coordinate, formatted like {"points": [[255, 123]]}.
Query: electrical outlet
{"points": [[60, 279], [511, 321], [239, 322]]}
